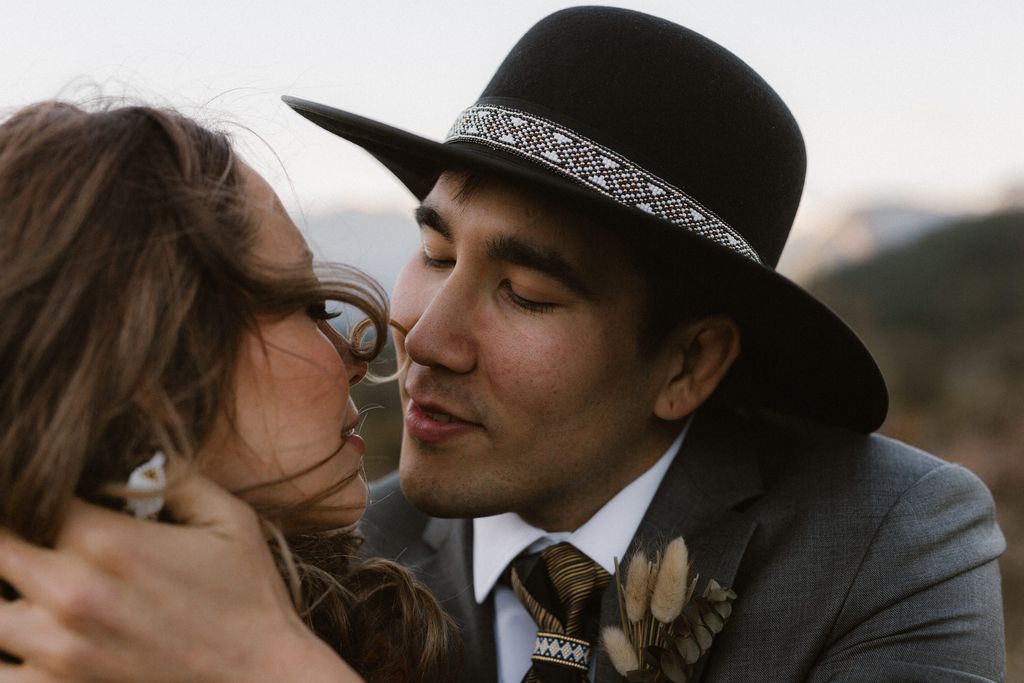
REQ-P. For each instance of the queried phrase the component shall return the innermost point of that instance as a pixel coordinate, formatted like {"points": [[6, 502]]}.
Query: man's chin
{"points": [[445, 499], [439, 483]]}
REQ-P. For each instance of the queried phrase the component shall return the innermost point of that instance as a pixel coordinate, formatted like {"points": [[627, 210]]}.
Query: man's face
{"points": [[524, 389]]}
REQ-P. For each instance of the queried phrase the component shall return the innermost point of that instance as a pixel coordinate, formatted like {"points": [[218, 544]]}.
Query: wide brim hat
{"points": [[668, 136]]}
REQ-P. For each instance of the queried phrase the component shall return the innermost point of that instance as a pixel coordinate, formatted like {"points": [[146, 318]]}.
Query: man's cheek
{"points": [[544, 375]]}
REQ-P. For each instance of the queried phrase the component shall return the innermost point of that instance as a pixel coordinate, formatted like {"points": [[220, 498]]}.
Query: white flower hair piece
{"points": [[149, 477]]}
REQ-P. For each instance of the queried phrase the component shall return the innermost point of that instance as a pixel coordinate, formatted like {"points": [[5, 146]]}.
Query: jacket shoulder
{"points": [[872, 469], [896, 546]]}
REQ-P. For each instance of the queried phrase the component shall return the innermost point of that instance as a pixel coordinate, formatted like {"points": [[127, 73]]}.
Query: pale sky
{"points": [[918, 100]]}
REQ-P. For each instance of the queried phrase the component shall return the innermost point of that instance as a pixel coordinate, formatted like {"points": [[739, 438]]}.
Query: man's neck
{"points": [[605, 535], [571, 510]]}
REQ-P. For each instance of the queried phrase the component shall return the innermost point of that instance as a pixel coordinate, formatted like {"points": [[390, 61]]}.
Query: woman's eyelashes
{"points": [[318, 311]]}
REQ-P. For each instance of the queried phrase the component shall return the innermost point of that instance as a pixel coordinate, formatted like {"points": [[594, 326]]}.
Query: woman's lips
{"points": [[349, 437], [356, 442], [430, 425]]}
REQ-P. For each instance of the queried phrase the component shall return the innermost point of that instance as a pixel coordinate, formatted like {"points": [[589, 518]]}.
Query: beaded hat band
{"points": [[594, 166]]}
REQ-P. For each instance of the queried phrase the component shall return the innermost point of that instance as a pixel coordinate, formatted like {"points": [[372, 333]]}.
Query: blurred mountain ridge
{"points": [[858, 235], [855, 235]]}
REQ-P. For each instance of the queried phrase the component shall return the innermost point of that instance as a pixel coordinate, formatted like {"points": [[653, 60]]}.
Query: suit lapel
{"points": [[713, 474], [448, 572]]}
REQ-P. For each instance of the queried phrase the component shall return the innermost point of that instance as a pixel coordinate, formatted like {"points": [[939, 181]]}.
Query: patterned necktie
{"points": [[561, 589]]}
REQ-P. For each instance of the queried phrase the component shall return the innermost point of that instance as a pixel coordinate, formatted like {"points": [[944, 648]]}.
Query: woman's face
{"points": [[292, 417]]}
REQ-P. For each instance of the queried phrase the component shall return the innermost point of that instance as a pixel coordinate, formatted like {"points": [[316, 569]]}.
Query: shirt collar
{"points": [[497, 540]]}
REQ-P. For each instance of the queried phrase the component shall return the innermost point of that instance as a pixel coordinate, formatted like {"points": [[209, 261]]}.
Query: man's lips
{"points": [[431, 423]]}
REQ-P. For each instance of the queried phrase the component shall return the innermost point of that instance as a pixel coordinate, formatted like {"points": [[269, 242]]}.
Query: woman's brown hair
{"points": [[127, 285]]}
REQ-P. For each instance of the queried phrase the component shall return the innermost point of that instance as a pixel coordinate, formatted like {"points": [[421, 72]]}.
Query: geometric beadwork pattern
{"points": [[594, 166], [560, 649]]}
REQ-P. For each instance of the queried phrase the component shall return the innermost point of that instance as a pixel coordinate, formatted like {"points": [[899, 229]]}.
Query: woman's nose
{"points": [[355, 367]]}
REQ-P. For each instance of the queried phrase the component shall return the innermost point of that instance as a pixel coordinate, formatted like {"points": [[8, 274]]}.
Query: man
{"points": [[599, 231], [598, 357]]}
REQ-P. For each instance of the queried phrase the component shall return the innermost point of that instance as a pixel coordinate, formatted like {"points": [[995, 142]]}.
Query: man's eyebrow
{"points": [[512, 250], [429, 217]]}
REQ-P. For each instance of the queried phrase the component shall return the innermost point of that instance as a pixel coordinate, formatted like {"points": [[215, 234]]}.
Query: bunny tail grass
{"points": [[637, 587], [669, 594], [619, 649]]}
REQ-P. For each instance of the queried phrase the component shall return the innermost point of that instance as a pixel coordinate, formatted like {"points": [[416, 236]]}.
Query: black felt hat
{"points": [[666, 133]]}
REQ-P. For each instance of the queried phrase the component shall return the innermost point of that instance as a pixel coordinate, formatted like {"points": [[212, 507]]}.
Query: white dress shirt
{"points": [[499, 539]]}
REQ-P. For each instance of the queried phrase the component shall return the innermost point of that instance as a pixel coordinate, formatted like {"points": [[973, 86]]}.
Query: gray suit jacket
{"points": [[856, 558]]}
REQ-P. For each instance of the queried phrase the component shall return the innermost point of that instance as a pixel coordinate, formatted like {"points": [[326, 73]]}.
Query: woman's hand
{"points": [[125, 600]]}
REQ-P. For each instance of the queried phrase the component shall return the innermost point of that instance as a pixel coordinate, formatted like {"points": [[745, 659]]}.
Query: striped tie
{"points": [[561, 589]]}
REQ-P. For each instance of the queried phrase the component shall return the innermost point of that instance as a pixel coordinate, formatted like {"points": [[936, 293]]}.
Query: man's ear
{"points": [[697, 356]]}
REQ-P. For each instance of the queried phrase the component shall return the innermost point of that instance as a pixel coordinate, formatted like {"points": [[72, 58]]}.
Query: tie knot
{"points": [[576, 578], [561, 589]]}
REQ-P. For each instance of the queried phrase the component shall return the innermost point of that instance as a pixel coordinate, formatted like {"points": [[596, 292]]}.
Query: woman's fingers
{"points": [[206, 516], [29, 569], [25, 631], [17, 628], [196, 501], [30, 634], [24, 673], [120, 599]]}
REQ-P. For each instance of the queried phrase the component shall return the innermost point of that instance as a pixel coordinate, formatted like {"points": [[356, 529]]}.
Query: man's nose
{"points": [[441, 330]]}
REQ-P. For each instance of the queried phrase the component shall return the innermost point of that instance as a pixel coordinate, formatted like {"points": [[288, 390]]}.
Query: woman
{"points": [[156, 299]]}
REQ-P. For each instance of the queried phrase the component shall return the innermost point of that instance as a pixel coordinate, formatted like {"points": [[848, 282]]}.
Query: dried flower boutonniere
{"points": [[665, 629]]}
